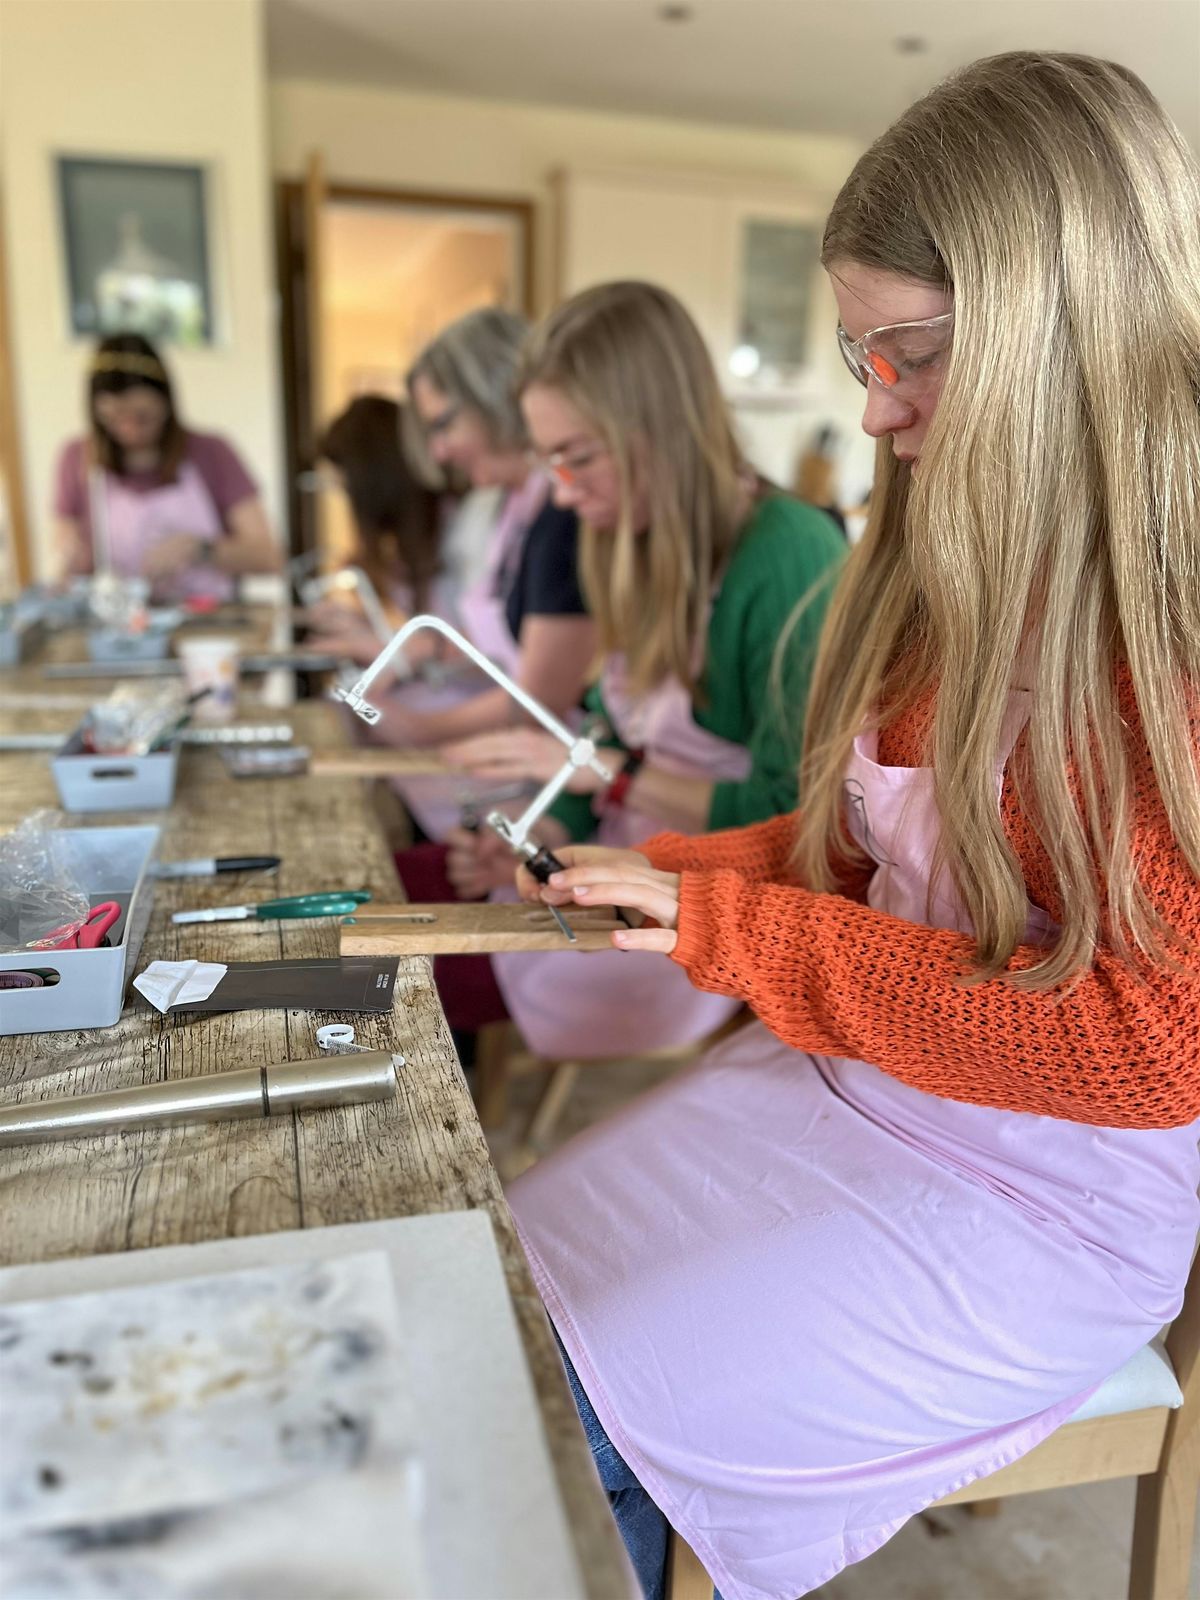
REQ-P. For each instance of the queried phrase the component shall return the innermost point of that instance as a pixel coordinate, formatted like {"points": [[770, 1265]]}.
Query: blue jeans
{"points": [[641, 1524]]}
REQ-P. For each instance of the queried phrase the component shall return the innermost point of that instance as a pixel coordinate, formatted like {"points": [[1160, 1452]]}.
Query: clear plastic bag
{"points": [[39, 890], [134, 720]]}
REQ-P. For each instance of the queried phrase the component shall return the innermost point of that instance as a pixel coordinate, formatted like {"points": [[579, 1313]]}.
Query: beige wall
{"points": [[397, 139], [183, 80], [381, 324], [374, 325], [436, 142]]}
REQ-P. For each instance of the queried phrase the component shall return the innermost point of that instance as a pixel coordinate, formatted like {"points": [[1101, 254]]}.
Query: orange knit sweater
{"points": [[827, 973]]}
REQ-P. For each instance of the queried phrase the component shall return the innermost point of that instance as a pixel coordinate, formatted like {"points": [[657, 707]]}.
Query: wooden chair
{"points": [[1158, 1444]]}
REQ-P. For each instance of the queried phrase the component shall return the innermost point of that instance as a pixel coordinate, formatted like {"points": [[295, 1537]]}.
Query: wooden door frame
{"points": [[10, 434], [291, 264]]}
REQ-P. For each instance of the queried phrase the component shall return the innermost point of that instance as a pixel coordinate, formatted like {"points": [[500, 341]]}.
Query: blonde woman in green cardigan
{"points": [[692, 568]]}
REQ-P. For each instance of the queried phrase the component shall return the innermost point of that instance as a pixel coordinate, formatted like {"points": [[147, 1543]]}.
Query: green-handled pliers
{"points": [[336, 903]]}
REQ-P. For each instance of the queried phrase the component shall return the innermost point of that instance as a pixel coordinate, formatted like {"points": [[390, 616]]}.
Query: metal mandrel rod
{"points": [[244, 1092]]}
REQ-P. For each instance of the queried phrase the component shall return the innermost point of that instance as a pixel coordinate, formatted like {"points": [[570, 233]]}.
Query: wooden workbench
{"points": [[424, 1152]]}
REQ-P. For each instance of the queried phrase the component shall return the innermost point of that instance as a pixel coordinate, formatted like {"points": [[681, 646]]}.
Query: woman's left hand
{"points": [[632, 884], [518, 754], [477, 862]]}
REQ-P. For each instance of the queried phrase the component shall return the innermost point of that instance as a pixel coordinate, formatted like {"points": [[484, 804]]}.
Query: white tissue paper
{"points": [[170, 983]]}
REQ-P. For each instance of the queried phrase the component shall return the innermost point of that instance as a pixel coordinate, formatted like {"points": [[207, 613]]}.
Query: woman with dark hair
{"points": [[421, 546], [144, 496], [396, 507]]}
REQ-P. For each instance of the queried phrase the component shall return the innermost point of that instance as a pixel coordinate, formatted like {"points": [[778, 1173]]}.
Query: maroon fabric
{"points": [[218, 463], [470, 995]]}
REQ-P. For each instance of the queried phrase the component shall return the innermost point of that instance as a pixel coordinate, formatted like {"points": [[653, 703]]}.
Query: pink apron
{"points": [[806, 1300], [612, 1003], [436, 803], [138, 519]]}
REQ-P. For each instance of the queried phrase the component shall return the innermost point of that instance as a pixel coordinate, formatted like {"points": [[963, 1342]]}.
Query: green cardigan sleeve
{"points": [[762, 642], [755, 680]]}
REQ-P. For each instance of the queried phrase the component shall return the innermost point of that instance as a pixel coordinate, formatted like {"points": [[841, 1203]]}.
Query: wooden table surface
{"points": [[421, 1153]]}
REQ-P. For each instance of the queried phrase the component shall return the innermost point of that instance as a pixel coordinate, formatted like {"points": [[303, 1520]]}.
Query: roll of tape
{"points": [[336, 1037]]}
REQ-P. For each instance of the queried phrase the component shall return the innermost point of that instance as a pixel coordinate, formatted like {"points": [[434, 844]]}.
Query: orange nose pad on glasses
{"points": [[565, 477], [883, 369]]}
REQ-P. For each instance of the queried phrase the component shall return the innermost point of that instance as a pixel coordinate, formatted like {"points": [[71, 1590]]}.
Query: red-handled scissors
{"points": [[86, 935]]}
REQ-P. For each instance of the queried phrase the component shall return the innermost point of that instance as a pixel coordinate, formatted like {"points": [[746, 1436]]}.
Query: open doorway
{"points": [[368, 277]]}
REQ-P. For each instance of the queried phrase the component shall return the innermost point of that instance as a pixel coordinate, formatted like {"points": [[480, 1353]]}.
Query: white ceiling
{"points": [[826, 66]]}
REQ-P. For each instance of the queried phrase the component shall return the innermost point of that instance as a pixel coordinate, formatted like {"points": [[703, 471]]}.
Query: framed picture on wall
{"points": [[779, 261], [135, 237]]}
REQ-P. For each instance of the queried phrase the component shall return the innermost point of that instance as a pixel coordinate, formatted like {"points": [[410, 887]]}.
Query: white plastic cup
{"points": [[210, 663]]}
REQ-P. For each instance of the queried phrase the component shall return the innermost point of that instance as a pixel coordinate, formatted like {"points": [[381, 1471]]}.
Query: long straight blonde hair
{"points": [[630, 359], [1053, 528]]}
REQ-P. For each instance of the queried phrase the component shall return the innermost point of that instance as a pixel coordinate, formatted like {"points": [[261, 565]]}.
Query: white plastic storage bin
{"points": [[88, 782], [111, 864]]}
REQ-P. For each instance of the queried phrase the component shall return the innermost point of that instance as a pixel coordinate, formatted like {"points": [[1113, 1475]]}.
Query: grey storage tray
{"points": [[89, 782], [111, 864], [20, 636], [110, 644], [58, 608]]}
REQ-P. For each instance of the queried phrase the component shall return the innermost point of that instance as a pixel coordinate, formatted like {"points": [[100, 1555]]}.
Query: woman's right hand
{"points": [[358, 644], [331, 616], [575, 855]]}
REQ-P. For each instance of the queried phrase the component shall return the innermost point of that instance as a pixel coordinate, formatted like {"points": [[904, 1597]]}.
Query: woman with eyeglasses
{"points": [[525, 610], [146, 497], [693, 568], [897, 1230]]}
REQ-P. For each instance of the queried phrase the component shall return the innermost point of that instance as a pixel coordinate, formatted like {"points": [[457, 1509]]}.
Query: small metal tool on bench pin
{"points": [[581, 750]]}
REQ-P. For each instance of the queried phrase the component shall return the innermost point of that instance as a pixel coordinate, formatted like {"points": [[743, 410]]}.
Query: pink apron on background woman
{"points": [[603, 1003], [806, 1299], [138, 519], [436, 803]]}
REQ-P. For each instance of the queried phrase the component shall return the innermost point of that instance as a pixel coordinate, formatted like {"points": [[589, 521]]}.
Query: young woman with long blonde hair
{"points": [[691, 566], [891, 1235]]}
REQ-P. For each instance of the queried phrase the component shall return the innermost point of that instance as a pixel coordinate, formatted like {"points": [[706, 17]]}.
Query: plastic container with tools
{"points": [[125, 629], [90, 782], [86, 988]]}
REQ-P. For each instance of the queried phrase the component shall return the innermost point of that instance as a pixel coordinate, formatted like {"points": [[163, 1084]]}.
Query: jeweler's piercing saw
{"points": [[581, 750]]}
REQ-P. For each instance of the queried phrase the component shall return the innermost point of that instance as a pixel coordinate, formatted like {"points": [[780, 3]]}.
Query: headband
{"points": [[129, 361]]}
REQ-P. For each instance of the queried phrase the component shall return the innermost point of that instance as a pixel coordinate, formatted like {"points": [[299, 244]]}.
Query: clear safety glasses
{"points": [[905, 358], [566, 467]]}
